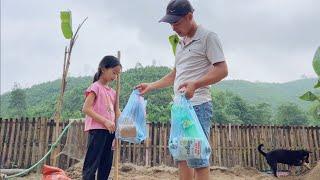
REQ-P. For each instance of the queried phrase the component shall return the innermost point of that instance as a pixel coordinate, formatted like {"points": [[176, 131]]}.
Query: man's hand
{"points": [[144, 88], [110, 126], [188, 87]]}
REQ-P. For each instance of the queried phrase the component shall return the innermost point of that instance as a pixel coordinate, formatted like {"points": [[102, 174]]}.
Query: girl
{"points": [[100, 120]]}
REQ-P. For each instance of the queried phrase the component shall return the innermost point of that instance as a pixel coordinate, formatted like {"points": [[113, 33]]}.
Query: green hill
{"points": [[272, 93], [41, 98]]}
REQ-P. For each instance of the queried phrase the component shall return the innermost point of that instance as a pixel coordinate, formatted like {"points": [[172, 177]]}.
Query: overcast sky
{"points": [[263, 40]]}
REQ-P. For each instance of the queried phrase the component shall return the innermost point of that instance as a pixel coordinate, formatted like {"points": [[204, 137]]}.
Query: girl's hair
{"points": [[106, 62]]}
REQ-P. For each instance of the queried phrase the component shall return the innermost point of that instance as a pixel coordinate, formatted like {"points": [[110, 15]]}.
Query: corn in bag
{"points": [[131, 125]]}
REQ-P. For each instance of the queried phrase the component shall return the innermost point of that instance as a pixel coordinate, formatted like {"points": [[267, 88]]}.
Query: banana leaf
{"points": [[66, 24], [309, 96], [317, 85], [174, 39], [316, 62]]}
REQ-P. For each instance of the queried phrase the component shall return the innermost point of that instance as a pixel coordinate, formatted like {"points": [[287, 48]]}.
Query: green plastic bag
{"points": [[66, 24], [187, 139], [174, 40]]}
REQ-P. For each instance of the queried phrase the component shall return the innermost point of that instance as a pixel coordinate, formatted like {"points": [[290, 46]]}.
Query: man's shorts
{"points": [[204, 113]]}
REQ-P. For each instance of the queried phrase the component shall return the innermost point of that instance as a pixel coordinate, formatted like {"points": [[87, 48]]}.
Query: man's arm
{"points": [[216, 73], [166, 81]]}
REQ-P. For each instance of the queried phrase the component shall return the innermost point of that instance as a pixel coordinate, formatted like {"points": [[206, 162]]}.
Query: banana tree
{"points": [[66, 27], [309, 96]]}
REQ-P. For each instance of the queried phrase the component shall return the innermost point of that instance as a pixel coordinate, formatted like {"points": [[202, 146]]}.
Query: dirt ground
{"points": [[133, 172]]}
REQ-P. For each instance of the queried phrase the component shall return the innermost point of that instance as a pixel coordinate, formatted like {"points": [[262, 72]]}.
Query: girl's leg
{"points": [[106, 158], [96, 143]]}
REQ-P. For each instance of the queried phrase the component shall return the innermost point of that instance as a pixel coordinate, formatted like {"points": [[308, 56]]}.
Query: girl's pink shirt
{"points": [[103, 104]]}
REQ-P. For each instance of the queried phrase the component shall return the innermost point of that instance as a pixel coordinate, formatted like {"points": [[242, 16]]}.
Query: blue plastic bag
{"points": [[131, 125], [187, 139]]}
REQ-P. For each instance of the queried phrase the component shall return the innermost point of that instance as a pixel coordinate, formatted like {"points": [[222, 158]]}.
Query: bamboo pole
{"points": [[117, 141], [57, 115]]}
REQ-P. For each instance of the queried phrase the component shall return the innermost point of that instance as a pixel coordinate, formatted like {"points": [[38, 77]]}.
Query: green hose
{"points": [[53, 146]]}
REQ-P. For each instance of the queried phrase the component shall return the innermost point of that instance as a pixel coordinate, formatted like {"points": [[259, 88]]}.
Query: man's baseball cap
{"points": [[176, 9]]}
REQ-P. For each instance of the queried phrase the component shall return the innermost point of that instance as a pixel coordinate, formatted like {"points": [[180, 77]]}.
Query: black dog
{"points": [[289, 157]]}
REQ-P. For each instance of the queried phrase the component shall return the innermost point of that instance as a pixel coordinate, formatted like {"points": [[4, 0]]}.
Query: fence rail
{"points": [[24, 141]]}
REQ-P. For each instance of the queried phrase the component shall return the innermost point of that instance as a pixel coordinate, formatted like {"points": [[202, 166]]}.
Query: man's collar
{"points": [[197, 35]]}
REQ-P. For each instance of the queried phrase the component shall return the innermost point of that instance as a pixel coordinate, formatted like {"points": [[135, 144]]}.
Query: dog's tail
{"points": [[260, 150]]}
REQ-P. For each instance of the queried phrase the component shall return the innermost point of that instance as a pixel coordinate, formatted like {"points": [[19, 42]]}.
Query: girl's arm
{"points": [[88, 110]]}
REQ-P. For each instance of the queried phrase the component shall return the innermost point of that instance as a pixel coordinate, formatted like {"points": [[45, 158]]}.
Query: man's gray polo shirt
{"points": [[195, 59]]}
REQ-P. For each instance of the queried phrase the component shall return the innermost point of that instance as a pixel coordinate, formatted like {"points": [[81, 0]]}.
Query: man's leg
{"points": [[202, 173], [201, 166], [185, 173]]}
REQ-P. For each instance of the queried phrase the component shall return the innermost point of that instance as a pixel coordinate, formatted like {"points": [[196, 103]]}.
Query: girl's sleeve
{"points": [[93, 88]]}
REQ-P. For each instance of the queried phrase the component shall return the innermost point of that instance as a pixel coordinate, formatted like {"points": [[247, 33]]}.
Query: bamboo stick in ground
{"points": [[117, 141]]}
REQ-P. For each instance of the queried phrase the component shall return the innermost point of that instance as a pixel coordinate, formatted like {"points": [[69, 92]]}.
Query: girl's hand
{"points": [[110, 126]]}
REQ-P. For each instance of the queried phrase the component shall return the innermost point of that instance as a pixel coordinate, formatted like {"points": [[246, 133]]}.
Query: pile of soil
{"points": [[314, 173], [132, 172]]}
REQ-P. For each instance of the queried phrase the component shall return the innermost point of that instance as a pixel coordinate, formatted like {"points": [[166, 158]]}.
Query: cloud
{"points": [[274, 40]]}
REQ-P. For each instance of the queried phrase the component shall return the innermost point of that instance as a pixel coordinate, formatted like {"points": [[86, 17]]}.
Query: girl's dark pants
{"points": [[99, 155]]}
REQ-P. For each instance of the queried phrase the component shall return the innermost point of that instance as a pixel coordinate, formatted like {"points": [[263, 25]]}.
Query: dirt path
{"points": [[133, 172]]}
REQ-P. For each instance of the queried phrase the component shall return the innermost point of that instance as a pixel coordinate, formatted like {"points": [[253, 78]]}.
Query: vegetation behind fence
{"points": [[24, 141]]}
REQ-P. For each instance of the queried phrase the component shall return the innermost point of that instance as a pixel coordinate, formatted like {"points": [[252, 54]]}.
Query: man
{"points": [[199, 62]]}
